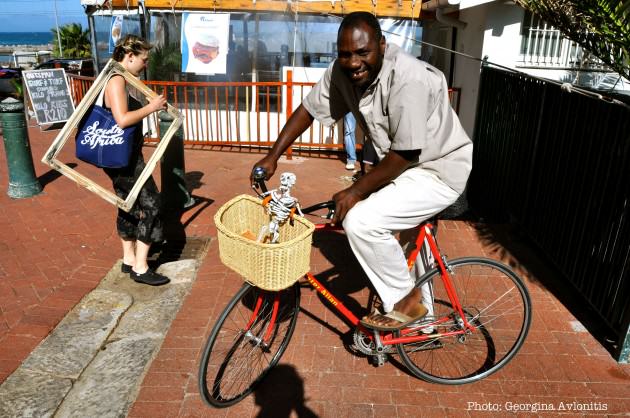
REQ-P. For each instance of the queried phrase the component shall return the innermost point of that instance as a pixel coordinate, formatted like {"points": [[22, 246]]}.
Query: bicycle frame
{"points": [[391, 337]]}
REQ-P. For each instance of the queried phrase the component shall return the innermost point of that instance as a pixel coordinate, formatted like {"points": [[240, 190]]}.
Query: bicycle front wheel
{"points": [[494, 301], [246, 342]]}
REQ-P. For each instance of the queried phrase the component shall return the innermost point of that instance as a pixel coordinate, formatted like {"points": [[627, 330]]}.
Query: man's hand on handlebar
{"points": [[268, 164], [344, 201]]}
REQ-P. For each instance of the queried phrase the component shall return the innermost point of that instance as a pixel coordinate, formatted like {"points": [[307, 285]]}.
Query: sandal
{"points": [[149, 277], [403, 320]]}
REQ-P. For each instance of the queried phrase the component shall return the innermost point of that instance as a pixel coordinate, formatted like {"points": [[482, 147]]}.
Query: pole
{"points": [[22, 180], [58, 34], [174, 193]]}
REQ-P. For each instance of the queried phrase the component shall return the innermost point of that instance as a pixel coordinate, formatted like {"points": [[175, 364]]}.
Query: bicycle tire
{"points": [[234, 361], [492, 297]]}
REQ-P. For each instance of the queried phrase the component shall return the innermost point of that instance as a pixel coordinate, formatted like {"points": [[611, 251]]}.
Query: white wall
{"points": [[465, 4], [493, 30], [466, 76], [502, 39]]}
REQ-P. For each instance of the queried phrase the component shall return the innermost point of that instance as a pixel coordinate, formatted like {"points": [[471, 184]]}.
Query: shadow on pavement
{"points": [[345, 277], [513, 246], [52, 175], [177, 245], [193, 180], [282, 394], [201, 204]]}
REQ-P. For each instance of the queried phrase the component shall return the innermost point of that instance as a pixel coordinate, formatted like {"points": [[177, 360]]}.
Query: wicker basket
{"points": [[268, 266]]}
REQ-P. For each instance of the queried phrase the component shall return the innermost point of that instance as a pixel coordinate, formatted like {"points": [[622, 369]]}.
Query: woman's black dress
{"points": [[143, 221]]}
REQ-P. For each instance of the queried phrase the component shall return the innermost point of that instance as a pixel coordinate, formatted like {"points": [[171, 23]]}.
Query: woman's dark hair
{"points": [[130, 43], [354, 19]]}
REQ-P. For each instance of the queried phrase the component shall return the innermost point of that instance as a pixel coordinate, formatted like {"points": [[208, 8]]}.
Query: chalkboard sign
{"points": [[49, 94]]}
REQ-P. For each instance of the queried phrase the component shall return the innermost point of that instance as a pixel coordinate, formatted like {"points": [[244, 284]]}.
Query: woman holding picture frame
{"points": [[142, 225]]}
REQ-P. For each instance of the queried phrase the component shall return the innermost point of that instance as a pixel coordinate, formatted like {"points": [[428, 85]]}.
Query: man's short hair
{"points": [[354, 19]]}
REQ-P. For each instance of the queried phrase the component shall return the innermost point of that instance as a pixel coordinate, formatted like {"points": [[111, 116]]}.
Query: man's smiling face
{"points": [[360, 54]]}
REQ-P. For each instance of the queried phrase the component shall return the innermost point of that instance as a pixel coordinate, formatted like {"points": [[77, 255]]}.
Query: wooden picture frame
{"points": [[50, 157]]}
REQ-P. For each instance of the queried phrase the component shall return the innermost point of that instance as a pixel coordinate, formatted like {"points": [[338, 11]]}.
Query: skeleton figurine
{"points": [[279, 208]]}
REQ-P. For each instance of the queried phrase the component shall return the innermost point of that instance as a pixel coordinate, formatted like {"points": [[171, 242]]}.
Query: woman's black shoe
{"points": [[149, 277], [125, 268]]}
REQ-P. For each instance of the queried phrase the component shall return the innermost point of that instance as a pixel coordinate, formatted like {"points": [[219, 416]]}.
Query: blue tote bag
{"points": [[100, 141]]}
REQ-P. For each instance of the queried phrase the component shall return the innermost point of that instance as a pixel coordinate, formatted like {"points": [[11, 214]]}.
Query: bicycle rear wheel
{"points": [[237, 355], [494, 300]]}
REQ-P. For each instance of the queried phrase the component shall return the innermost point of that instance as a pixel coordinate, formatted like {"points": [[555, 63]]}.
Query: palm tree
{"points": [[164, 62], [75, 42], [601, 27]]}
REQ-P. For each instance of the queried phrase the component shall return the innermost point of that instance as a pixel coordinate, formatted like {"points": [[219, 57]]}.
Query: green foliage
{"points": [[75, 42], [164, 62], [18, 88], [601, 27]]}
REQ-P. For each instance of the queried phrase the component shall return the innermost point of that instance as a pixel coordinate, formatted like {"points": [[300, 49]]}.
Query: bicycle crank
{"points": [[363, 344]]}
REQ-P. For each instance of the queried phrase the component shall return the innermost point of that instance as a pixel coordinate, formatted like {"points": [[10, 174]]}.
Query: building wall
{"points": [[492, 30], [502, 38], [466, 71]]}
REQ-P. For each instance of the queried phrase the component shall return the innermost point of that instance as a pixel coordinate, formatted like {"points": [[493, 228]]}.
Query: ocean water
{"points": [[9, 39], [26, 38]]}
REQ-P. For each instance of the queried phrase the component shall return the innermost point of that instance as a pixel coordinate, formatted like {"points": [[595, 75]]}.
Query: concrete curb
{"points": [[95, 359]]}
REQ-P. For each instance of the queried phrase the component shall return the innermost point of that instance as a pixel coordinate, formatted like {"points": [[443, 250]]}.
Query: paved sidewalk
{"points": [[58, 246]]}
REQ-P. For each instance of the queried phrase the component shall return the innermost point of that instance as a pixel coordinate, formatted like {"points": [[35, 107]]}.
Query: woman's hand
{"points": [[157, 103]]}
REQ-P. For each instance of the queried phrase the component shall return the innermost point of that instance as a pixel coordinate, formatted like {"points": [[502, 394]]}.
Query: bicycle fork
{"points": [[255, 339]]}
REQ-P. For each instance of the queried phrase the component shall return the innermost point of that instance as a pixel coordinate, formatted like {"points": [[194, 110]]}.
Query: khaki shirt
{"points": [[405, 108]]}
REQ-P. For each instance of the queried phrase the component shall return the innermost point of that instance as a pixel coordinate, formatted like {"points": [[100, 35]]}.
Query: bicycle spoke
{"points": [[253, 351], [236, 358], [495, 303]]}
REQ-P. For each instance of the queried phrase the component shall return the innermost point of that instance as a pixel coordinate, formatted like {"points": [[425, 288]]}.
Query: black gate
{"points": [[558, 163]]}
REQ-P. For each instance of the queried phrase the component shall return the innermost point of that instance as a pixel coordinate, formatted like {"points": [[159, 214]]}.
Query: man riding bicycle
{"points": [[425, 156]]}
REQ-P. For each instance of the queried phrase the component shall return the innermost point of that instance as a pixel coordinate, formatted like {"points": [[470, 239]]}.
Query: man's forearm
{"points": [[387, 170], [299, 121]]}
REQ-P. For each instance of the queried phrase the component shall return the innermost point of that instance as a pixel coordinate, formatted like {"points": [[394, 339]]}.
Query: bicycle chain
{"points": [[363, 344]]}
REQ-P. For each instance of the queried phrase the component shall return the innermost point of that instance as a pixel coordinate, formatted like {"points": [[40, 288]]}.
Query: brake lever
{"points": [[255, 187]]}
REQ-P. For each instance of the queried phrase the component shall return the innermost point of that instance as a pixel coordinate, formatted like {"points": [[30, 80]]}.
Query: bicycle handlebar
{"points": [[259, 175], [329, 204]]}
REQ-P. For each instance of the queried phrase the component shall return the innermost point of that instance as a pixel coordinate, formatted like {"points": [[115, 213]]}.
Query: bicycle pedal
{"points": [[379, 360]]}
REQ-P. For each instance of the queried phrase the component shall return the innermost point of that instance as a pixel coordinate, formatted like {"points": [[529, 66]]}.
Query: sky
{"points": [[39, 15]]}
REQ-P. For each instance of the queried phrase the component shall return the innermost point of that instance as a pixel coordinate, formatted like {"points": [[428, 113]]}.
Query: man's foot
{"points": [[350, 165], [149, 277], [394, 320]]}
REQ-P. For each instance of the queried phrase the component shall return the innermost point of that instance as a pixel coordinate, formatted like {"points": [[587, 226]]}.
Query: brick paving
{"points": [[57, 246]]}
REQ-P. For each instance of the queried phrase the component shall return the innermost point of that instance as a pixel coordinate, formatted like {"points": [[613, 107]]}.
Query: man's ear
{"points": [[382, 45]]}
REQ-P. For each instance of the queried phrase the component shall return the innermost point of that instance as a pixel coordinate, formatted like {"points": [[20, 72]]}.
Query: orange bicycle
{"points": [[479, 316]]}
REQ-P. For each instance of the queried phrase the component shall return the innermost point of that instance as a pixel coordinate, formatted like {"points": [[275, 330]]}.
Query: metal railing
{"points": [[242, 113], [558, 164], [248, 114], [79, 85], [543, 46]]}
